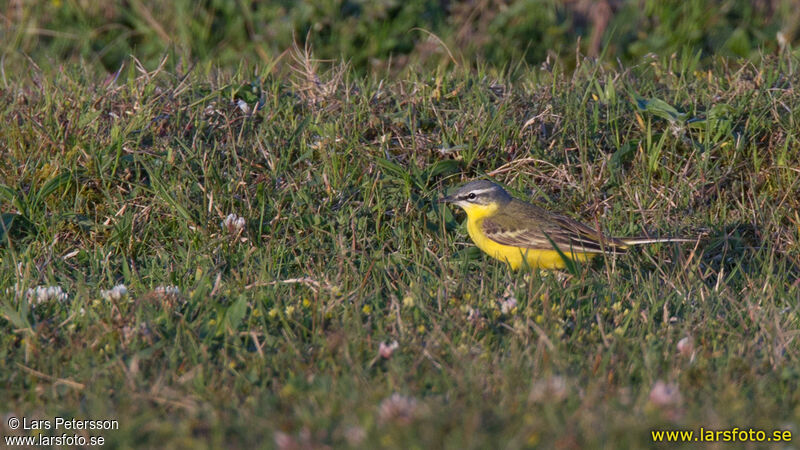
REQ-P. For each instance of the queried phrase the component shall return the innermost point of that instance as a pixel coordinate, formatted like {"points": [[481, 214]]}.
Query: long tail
{"points": [[646, 240]]}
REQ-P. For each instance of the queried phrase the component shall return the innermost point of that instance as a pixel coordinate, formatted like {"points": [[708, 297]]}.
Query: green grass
{"points": [[274, 337], [388, 36]]}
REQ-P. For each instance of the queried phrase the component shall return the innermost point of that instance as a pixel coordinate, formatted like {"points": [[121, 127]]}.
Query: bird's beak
{"points": [[447, 199]]}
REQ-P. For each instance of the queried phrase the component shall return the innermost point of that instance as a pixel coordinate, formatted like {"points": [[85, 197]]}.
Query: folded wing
{"points": [[529, 226]]}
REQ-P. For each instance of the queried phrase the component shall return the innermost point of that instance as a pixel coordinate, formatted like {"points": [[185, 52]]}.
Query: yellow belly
{"points": [[515, 256]]}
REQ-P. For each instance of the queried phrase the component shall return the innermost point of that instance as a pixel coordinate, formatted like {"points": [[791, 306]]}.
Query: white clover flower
{"points": [[508, 305], [43, 294], [241, 104], [116, 293], [473, 314], [552, 389], [508, 301], [168, 290], [233, 224]]}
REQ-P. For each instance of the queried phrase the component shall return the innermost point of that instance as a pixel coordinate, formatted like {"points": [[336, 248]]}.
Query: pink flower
{"points": [[664, 394], [686, 346], [386, 350], [355, 435], [398, 409]]}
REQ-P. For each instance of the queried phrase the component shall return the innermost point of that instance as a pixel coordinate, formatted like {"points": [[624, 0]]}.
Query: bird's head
{"points": [[478, 198]]}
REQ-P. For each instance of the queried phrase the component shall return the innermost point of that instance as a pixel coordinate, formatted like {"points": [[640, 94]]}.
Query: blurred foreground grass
{"points": [[269, 332]]}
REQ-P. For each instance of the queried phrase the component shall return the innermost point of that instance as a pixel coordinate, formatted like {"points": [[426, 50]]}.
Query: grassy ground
{"points": [[274, 334], [385, 36]]}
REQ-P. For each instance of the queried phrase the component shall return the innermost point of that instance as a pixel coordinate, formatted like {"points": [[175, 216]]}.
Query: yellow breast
{"points": [[514, 256]]}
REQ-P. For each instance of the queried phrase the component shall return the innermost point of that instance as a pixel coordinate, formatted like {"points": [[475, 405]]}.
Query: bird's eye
{"points": [[471, 196]]}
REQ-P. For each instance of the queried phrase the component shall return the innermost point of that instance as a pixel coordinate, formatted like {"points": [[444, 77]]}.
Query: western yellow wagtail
{"points": [[518, 232]]}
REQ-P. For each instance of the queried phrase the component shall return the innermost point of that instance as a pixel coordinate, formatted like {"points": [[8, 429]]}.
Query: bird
{"points": [[520, 233]]}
